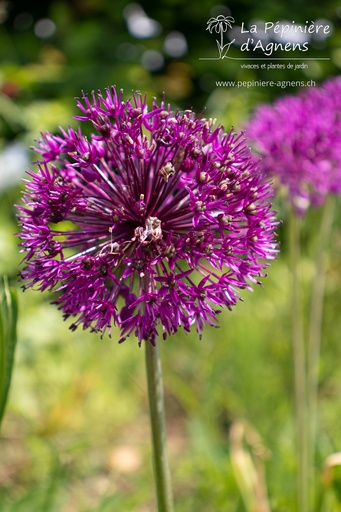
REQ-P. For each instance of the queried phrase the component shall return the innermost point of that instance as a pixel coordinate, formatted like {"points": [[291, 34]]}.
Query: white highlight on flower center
{"points": [[151, 233]]}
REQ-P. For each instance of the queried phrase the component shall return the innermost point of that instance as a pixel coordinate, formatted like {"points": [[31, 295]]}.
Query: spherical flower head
{"points": [[299, 139], [151, 223]]}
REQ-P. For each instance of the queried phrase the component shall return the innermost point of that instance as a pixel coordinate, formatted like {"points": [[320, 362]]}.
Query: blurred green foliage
{"points": [[76, 437]]}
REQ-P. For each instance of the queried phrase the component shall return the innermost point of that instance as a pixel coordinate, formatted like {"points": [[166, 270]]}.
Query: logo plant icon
{"points": [[220, 25]]}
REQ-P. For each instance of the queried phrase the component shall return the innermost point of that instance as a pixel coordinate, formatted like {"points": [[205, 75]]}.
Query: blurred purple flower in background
{"points": [[156, 219], [299, 139]]}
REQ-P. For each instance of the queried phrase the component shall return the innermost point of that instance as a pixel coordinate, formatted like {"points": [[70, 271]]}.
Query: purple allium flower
{"points": [[299, 138], [157, 219]]}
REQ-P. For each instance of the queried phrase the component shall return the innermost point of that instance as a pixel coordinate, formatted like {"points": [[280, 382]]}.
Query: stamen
{"points": [[151, 233]]}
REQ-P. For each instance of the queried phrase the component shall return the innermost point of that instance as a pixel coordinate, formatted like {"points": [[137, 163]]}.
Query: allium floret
{"points": [[151, 223]]}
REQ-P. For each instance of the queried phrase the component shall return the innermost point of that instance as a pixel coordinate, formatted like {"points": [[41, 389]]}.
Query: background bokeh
{"points": [[76, 436]]}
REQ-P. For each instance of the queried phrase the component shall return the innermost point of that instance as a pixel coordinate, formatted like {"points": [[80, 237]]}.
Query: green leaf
{"points": [[8, 339]]}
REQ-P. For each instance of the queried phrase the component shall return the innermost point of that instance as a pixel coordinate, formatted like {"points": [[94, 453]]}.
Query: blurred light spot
{"points": [[139, 24], [290, 37], [152, 60], [13, 161], [220, 9], [127, 51], [336, 57], [125, 459], [178, 82], [9, 88], [320, 35], [44, 28], [51, 56], [175, 44], [23, 21], [3, 11], [261, 34], [138, 75], [236, 34]]}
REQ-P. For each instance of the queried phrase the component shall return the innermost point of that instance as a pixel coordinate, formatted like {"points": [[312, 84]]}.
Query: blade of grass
{"points": [[8, 339]]}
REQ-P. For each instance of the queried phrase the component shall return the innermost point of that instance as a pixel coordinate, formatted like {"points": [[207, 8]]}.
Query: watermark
{"points": [[271, 65], [281, 84], [220, 25], [266, 38]]}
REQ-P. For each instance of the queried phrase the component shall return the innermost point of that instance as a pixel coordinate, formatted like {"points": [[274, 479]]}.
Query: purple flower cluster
{"points": [[154, 220], [299, 138]]}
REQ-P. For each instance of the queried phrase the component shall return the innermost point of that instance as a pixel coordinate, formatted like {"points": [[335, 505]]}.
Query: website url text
{"points": [[283, 84]]}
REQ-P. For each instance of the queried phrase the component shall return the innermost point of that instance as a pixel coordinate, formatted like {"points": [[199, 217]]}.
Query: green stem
{"points": [[158, 429], [315, 323], [299, 370]]}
